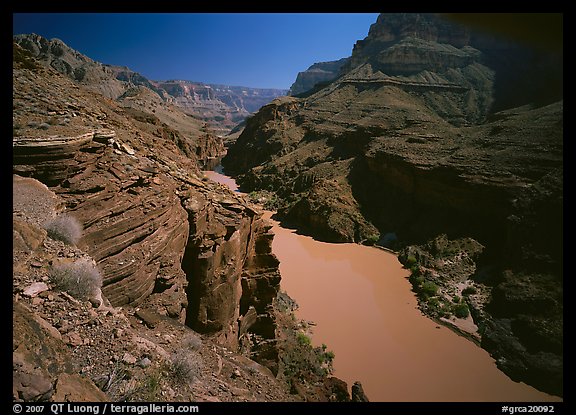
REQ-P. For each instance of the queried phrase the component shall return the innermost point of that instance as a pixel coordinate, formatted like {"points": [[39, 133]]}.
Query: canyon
{"points": [[221, 107], [437, 142], [424, 144], [185, 306], [357, 299]]}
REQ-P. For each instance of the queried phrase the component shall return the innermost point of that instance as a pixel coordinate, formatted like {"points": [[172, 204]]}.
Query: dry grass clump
{"points": [[186, 366], [81, 279], [65, 228]]}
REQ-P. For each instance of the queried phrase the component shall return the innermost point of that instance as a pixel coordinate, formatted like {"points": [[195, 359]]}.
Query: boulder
{"points": [[358, 394]]}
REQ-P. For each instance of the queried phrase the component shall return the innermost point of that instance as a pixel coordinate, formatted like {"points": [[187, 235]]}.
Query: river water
{"points": [[361, 301]]}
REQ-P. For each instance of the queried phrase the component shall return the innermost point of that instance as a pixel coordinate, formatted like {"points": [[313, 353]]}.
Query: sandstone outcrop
{"points": [[94, 351], [421, 135], [66, 350]]}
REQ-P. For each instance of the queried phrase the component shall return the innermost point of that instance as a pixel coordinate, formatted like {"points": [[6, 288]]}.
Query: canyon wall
{"points": [[164, 239], [321, 72], [420, 136]]}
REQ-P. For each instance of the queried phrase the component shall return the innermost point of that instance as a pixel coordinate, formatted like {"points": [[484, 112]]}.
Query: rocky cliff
{"points": [[147, 103], [183, 268], [318, 73], [411, 142]]}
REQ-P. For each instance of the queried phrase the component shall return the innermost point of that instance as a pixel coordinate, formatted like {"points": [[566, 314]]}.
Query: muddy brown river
{"points": [[361, 301]]}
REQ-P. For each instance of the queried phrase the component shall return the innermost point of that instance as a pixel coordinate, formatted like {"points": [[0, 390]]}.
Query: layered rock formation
{"points": [[146, 102], [139, 216], [222, 106], [68, 350], [408, 142]]}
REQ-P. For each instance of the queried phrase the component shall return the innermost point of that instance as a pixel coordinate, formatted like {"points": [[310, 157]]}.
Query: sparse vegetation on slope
{"points": [[65, 228], [80, 278]]}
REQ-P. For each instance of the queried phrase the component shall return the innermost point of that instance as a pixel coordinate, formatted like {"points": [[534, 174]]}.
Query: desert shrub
{"points": [[372, 239], [300, 360], [415, 270], [151, 386], [456, 299], [16, 132], [468, 291], [53, 121], [65, 228], [267, 198], [438, 306], [325, 355], [303, 340], [433, 305], [192, 342], [329, 355], [461, 310], [81, 278], [25, 58], [185, 366], [416, 280], [429, 289], [410, 261]]}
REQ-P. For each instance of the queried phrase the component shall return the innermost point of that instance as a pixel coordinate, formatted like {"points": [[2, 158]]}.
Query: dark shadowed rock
{"points": [[338, 389], [358, 394]]}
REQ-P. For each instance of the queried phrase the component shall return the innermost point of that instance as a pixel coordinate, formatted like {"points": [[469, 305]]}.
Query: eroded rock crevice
{"points": [[232, 274]]}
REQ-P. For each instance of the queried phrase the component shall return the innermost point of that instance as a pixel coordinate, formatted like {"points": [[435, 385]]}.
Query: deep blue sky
{"points": [[265, 50]]}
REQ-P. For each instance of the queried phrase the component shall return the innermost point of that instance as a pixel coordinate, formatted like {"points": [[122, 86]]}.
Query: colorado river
{"points": [[364, 310]]}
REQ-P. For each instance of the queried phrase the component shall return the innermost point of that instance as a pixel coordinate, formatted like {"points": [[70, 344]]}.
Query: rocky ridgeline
{"points": [[221, 106], [410, 142], [187, 281]]}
